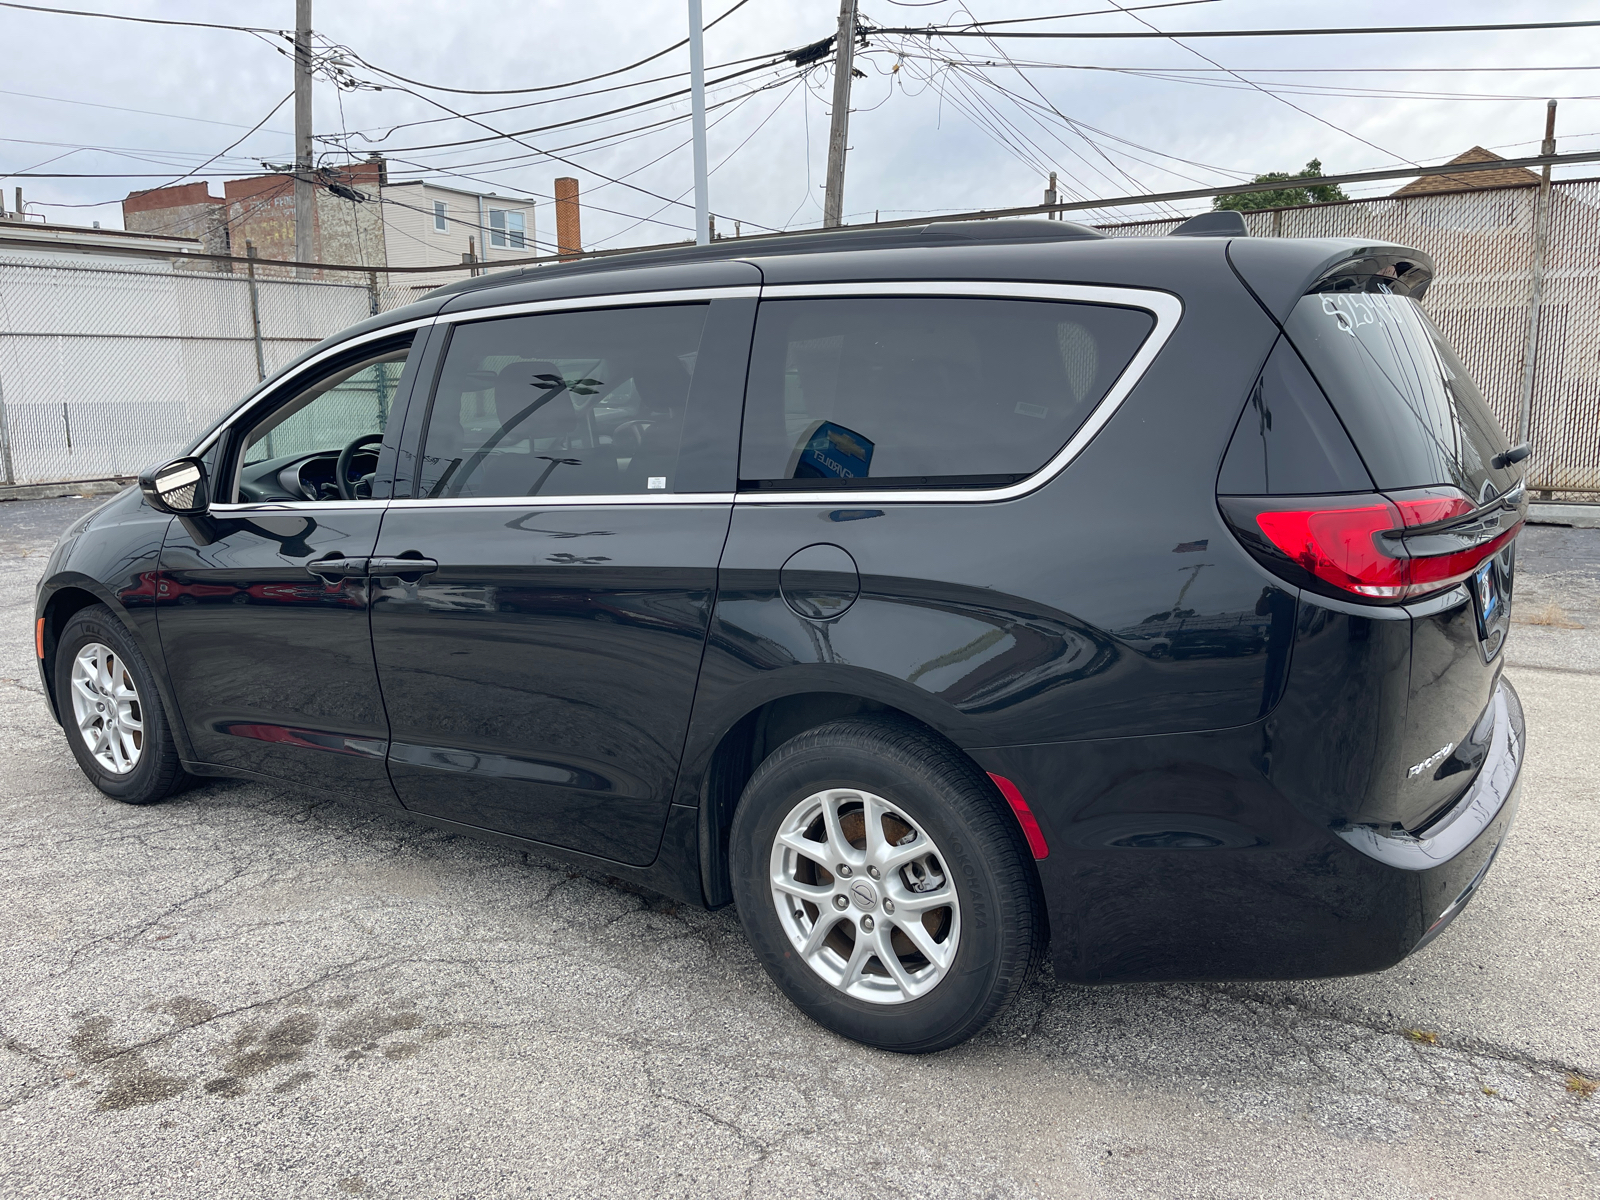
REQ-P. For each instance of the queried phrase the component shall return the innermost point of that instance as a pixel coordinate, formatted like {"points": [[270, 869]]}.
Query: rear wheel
{"points": [[114, 720], [884, 886]]}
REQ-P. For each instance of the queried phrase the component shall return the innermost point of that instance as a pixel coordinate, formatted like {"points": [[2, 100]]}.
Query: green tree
{"points": [[1317, 193]]}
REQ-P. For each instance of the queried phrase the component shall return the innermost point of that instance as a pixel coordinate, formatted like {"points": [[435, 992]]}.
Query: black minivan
{"points": [[934, 595]]}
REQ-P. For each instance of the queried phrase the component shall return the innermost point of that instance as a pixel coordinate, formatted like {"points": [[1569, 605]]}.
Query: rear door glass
{"points": [[1414, 413], [563, 404], [922, 391]]}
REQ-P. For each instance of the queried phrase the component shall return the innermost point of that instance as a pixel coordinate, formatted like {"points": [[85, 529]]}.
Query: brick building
{"points": [[347, 215]]}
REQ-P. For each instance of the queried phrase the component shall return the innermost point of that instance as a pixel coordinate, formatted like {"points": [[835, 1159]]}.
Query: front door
{"points": [[540, 609], [262, 604]]}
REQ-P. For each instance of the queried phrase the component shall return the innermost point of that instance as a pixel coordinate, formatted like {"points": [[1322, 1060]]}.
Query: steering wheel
{"points": [[341, 472]]}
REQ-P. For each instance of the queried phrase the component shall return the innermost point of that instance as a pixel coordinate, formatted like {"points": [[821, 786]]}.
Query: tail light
{"points": [[1381, 548]]}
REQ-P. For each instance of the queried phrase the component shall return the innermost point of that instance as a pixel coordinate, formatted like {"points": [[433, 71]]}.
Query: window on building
{"points": [[516, 230], [497, 227], [441, 221], [910, 392]]}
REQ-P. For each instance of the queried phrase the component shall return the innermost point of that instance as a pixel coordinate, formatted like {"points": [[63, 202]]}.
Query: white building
{"points": [[105, 247], [426, 224]]}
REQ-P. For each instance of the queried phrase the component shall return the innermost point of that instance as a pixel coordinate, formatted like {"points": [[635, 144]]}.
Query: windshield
{"points": [[1412, 410]]}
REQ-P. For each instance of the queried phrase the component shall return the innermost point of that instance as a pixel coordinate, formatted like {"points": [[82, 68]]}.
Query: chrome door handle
{"points": [[337, 568], [409, 567]]}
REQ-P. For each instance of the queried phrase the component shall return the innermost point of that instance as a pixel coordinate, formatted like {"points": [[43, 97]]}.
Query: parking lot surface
{"points": [[250, 991]]}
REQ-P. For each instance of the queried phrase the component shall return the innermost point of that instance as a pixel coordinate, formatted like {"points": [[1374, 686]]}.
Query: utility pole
{"points": [[1541, 238], [844, 53], [697, 96], [304, 194]]}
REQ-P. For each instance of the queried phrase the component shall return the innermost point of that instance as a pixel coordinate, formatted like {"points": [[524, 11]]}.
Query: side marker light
{"points": [[1025, 817]]}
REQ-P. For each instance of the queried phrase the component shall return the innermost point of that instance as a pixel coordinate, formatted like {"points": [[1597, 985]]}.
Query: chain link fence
{"points": [[1484, 245], [107, 369]]}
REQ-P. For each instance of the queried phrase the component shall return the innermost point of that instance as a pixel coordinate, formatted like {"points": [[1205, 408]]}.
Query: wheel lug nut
{"points": [[866, 923], [840, 902], [874, 872], [844, 869], [888, 905]]}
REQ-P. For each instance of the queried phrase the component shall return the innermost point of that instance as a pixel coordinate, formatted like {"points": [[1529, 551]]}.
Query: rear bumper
{"points": [[1175, 858]]}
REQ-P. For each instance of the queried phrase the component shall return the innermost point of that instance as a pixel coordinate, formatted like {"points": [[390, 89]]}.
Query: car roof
{"points": [[877, 237]]}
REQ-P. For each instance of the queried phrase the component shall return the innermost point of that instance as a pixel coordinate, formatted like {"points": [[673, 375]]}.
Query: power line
{"points": [[75, 12], [561, 124], [143, 112], [619, 87], [1266, 91], [1099, 12], [968, 31], [550, 87], [550, 154]]}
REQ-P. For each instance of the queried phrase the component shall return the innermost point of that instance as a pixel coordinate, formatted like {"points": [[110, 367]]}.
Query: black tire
{"points": [[1001, 923], [157, 772]]}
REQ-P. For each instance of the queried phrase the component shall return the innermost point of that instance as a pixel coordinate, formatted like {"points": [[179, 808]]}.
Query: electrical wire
{"points": [[965, 31], [619, 87], [271, 112], [611, 112], [1267, 91], [75, 12], [143, 112], [550, 87]]}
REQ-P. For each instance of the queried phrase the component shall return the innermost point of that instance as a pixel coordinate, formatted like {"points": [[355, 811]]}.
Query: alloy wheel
{"points": [[864, 896], [106, 705]]}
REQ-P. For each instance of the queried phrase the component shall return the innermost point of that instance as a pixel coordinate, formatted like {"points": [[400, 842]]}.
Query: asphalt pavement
{"points": [[250, 991]]}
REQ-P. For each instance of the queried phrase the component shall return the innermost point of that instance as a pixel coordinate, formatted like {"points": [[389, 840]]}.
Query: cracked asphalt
{"points": [[248, 991]]}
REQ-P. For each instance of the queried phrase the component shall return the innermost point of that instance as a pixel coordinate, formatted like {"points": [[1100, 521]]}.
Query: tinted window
{"points": [[1288, 441], [902, 391], [1414, 413], [563, 404], [352, 403]]}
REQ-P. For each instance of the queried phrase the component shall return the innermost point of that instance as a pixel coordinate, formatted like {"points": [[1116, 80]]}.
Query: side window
{"points": [[915, 392], [293, 453], [563, 404]]}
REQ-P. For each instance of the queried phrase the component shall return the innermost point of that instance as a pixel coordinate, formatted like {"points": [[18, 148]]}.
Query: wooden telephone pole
{"points": [[844, 50]]}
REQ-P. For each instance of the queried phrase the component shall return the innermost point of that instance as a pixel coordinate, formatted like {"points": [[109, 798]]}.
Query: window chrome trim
{"points": [[1165, 307], [273, 384], [267, 508], [749, 291], [702, 499]]}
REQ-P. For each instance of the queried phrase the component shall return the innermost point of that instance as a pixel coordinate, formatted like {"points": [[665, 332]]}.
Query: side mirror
{"points": [[178, 488]]}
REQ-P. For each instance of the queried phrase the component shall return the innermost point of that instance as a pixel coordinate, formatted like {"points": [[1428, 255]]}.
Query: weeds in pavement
{"points": [[1581, 1087], [1426, 1036], [1551, 614]]}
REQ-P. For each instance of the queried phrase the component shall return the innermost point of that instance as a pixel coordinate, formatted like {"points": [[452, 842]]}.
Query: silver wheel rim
{"points": [[865, 896], [106, 705]]}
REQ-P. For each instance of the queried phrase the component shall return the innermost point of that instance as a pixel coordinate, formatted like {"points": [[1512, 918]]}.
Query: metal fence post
{"points": [[255, 310], [372, 293], [1541, 238], [7, 471]]}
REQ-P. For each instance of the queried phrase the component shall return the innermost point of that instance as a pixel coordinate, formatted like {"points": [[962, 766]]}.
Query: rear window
{"points": [[1411, 408], [917, 392]]}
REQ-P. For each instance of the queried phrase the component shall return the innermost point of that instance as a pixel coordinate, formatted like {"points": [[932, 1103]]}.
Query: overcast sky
{"points": [[937, 125]]}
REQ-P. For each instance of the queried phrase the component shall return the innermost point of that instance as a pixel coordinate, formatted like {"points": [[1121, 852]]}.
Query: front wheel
{"points": [[114, 720], [884, 886]]}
